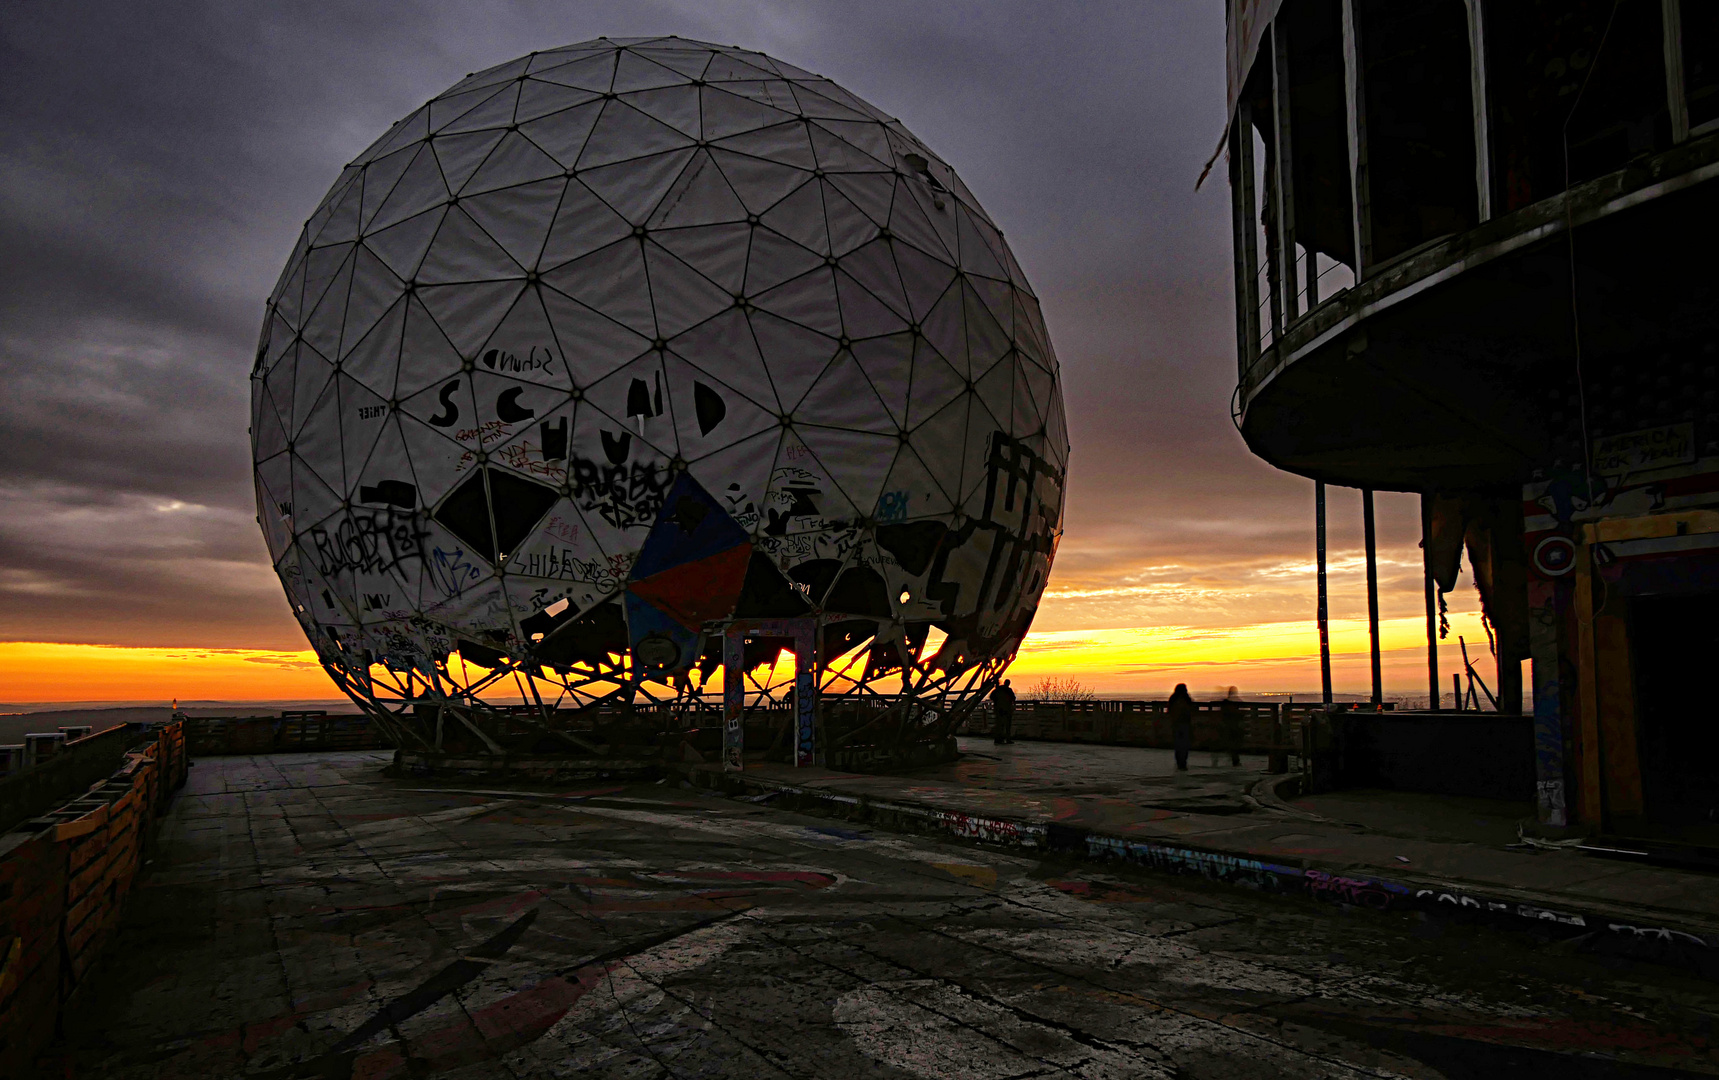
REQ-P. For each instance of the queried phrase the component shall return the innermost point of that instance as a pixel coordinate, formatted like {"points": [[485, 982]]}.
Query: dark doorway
{"points": [[1675, 641]]}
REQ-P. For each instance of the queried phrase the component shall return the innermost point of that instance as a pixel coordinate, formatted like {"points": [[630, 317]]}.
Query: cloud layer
{"points": [[157, 161]]}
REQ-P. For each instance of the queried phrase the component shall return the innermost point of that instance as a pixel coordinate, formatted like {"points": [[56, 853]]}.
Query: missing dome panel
{"points": [[493, 511]]}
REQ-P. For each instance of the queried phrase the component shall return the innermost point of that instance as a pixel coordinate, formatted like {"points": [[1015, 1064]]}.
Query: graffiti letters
{"points": [[993, 830], [558, 562], [538, 359], [508, 409], [519, 456], [562, 529], [487, 432], [1188, 861], [367, 542], [622, 495], [1477, 905], [1658, 933], [450, 571], [1356, 891], [450, 413], [892, 506]]}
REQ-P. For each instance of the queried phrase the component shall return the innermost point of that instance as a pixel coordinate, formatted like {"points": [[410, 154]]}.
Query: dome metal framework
{"points": [[616, 353]]}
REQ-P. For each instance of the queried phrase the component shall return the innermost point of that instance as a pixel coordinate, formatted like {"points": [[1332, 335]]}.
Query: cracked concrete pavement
{"points": [[306, 917]]}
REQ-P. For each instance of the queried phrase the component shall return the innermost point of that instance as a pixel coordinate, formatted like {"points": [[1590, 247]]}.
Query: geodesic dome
{"points": [[611, 345]]}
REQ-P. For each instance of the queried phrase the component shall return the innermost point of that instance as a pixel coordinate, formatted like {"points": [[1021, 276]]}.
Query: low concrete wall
{"points": [[1147, 723], [39, 788], [1480, 754], [212, 735], [1484, 755], [63, 876]]}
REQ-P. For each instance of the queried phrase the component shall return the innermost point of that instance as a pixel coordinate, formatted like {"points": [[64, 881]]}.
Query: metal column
{"points": [[733, 700], [805, 692], [1354, 85], [1372, 592], [1284, 174], [1244, 222], [1432, 602], [1324, 610]]}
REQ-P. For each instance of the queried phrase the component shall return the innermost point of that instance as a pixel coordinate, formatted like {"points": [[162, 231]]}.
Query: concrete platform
{"points": [[307, 917], [1378, 848]]}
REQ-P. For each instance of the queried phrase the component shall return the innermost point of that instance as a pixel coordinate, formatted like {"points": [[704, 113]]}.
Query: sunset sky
{"points": [[158, 160]]}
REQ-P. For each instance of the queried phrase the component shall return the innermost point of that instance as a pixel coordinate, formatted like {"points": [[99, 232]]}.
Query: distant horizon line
{"points": [[22, 708]]}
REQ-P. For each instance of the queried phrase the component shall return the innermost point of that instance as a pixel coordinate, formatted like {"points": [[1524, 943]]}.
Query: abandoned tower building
{"points": [[1473, 258]]}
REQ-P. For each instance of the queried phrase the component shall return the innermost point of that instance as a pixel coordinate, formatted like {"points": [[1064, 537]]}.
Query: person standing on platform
{"points": [[1230, 725], [1003, 708], [1182, 724]]}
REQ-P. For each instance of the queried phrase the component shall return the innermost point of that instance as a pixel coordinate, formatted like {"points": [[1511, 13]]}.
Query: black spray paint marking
{"points": [[367, 543], [537, 359], [450, 413], [508, 409], [450, 572]]}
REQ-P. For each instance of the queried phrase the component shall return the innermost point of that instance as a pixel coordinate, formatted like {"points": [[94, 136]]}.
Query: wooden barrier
{"points": [[63, 878]]}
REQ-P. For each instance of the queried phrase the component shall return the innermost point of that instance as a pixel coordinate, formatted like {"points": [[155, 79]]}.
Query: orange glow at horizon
{"points": [[1135, 661], [33, 671], [1258, 657]]}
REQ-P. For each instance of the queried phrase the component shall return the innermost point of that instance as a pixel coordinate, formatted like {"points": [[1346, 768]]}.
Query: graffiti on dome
{"points": [[905, 477], [367, 541]]}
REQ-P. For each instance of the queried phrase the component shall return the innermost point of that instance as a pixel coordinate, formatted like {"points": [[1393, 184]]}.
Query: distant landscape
{"points": [[16, 721]]}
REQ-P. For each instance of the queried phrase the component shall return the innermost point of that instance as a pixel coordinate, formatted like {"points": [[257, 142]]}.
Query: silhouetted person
{"points": [[1230, 725], [1182, 724], [1003, 705]]}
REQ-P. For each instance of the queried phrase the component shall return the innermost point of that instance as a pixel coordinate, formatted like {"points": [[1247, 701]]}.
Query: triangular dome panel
{"points": [[563, 135], [595, 72], [635, 188], [843, 397], [380, 176], [419, 189], [518, 218], [426, 355], [676, 106], [495, 111], [793, 355], [514, 161], [611, 281], [681, 296], [623, 133], [462, 251], [636, 72], [468, 313], [727, 347], [593, 344], [701, 196], [538, 98], [583, 223], [526, 345], [716, 251], [460, 155]]}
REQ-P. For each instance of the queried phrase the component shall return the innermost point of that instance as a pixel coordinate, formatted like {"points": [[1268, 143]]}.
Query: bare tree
{"points": [[1059, 688]]}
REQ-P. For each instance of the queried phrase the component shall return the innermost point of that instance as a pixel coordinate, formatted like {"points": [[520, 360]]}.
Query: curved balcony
{"points": [[1401, 139]]}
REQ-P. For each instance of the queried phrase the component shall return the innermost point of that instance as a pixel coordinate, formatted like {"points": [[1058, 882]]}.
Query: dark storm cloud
{"points": [[157, 160]]}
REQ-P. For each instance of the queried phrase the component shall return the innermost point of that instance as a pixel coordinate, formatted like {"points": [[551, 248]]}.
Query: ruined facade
{"points": [[1469, 263]]}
